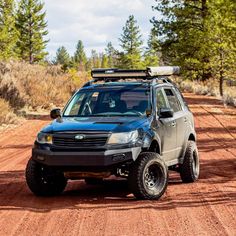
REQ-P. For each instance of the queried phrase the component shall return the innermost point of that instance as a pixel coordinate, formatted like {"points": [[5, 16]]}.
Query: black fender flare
{"points": [[148, 140]]}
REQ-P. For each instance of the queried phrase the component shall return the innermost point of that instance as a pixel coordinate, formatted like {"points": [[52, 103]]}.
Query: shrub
{"points": [[35, 86], [209, 88], [6, 114]]}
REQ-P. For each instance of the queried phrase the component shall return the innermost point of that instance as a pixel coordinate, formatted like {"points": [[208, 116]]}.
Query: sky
{"points": [[95, 22]]}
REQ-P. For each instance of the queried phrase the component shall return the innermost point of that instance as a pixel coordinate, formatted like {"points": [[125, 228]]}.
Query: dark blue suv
{"points": [[129, 123]]}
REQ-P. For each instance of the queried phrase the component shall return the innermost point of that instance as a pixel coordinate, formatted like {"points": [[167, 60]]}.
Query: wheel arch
{"points": [[190, 137], [154, 147]]}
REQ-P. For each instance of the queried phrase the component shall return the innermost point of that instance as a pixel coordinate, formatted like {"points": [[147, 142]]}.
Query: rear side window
{"points": [[173, 100], [181, 98]]}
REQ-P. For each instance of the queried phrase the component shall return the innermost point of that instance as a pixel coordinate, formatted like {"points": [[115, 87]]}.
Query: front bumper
{"points": [[85, 159]]}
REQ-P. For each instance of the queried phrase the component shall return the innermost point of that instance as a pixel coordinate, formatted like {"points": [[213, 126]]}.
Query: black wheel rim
{"points": [[46, 176], [153, 177]]}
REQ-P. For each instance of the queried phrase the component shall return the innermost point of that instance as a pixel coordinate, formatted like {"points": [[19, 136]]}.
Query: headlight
{"points": [[122, 138], [44, 138]]}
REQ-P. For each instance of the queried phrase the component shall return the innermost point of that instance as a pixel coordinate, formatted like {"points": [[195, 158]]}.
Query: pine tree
{"points": [[80, 58], [222, 35], [131, 43], [89, 64], [62, 58], [95, 59], [183, 34], [200, 36], [105, 61], [8, 32], [32, 26], [111, 55], [151, 57]]}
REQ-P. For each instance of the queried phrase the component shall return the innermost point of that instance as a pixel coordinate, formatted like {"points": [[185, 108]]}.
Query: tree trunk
{"points": [[207, 73], [221, 84], [221, 73], [204, 9], [31, 59]]}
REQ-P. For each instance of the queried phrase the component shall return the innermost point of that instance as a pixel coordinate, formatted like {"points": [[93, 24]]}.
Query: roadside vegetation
{"points": [[209, 88], [25, 87], [7, 115], [200, 36]]}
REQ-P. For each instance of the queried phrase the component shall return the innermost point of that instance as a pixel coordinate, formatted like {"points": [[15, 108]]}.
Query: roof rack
{"points": [[118, 73], [151, 73]]}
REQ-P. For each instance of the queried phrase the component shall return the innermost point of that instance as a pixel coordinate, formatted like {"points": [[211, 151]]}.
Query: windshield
{"points": [[119, 102]]}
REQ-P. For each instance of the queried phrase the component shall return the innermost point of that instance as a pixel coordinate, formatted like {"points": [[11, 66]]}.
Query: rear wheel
{"points": [[189, 170], [43, 180], [148, 176]]}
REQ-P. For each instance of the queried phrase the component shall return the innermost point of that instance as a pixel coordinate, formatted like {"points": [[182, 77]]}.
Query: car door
{"points": [[179, 118], [166, 128], [184, 122]]}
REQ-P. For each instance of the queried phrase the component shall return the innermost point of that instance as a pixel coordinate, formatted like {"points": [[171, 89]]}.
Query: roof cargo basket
{"points": [[118, 73], [149, 73]]}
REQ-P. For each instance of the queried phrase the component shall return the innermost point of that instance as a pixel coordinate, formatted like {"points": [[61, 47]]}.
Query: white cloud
{"points": [[95, 22]]}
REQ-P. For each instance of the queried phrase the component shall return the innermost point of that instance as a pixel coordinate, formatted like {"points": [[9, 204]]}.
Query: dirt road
{"points": [[207, 207]]}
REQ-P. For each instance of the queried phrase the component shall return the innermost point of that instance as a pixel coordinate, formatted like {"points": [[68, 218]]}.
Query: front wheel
{"points": [[189, 170], [43, 180], [148, 176]]}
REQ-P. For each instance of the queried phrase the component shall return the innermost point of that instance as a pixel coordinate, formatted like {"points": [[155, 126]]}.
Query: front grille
{"points": [[89, 140]]}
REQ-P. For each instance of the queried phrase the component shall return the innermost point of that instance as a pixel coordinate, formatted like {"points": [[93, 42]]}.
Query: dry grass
{"points": [[35, 87], [6, 115], [209, 88]]}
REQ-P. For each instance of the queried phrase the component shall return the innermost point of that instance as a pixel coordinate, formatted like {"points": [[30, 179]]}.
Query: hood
{"points": [[113, 124]]}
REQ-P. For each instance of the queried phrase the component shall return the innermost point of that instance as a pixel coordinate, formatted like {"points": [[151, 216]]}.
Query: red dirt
{"points": [[207, 207]]}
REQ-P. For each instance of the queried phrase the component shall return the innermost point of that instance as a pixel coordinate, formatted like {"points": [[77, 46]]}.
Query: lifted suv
{"points": [[129, 123]]}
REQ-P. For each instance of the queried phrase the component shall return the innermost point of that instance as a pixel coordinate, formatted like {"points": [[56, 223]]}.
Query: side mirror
{"points": [[166, 113], [55, 113]]}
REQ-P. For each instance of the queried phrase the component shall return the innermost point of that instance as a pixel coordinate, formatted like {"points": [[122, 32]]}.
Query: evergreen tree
{"points": [[200, 36], [131, 43], [80, 59], [222, 37], [104, 61], [8, 32], [95, 59], [89, 64], [183, 36], [111, 55], [32, 26], [151, 57], [62, 58]]}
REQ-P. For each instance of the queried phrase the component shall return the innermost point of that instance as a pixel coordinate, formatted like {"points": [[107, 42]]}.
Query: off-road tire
{"points": [[138, 180], [189, 170], [93, 181], [43, 180]]}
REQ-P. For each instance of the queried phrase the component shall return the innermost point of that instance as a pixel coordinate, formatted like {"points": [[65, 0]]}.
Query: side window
{"points": [[161, 102], [173, 100], [181, 98]]}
